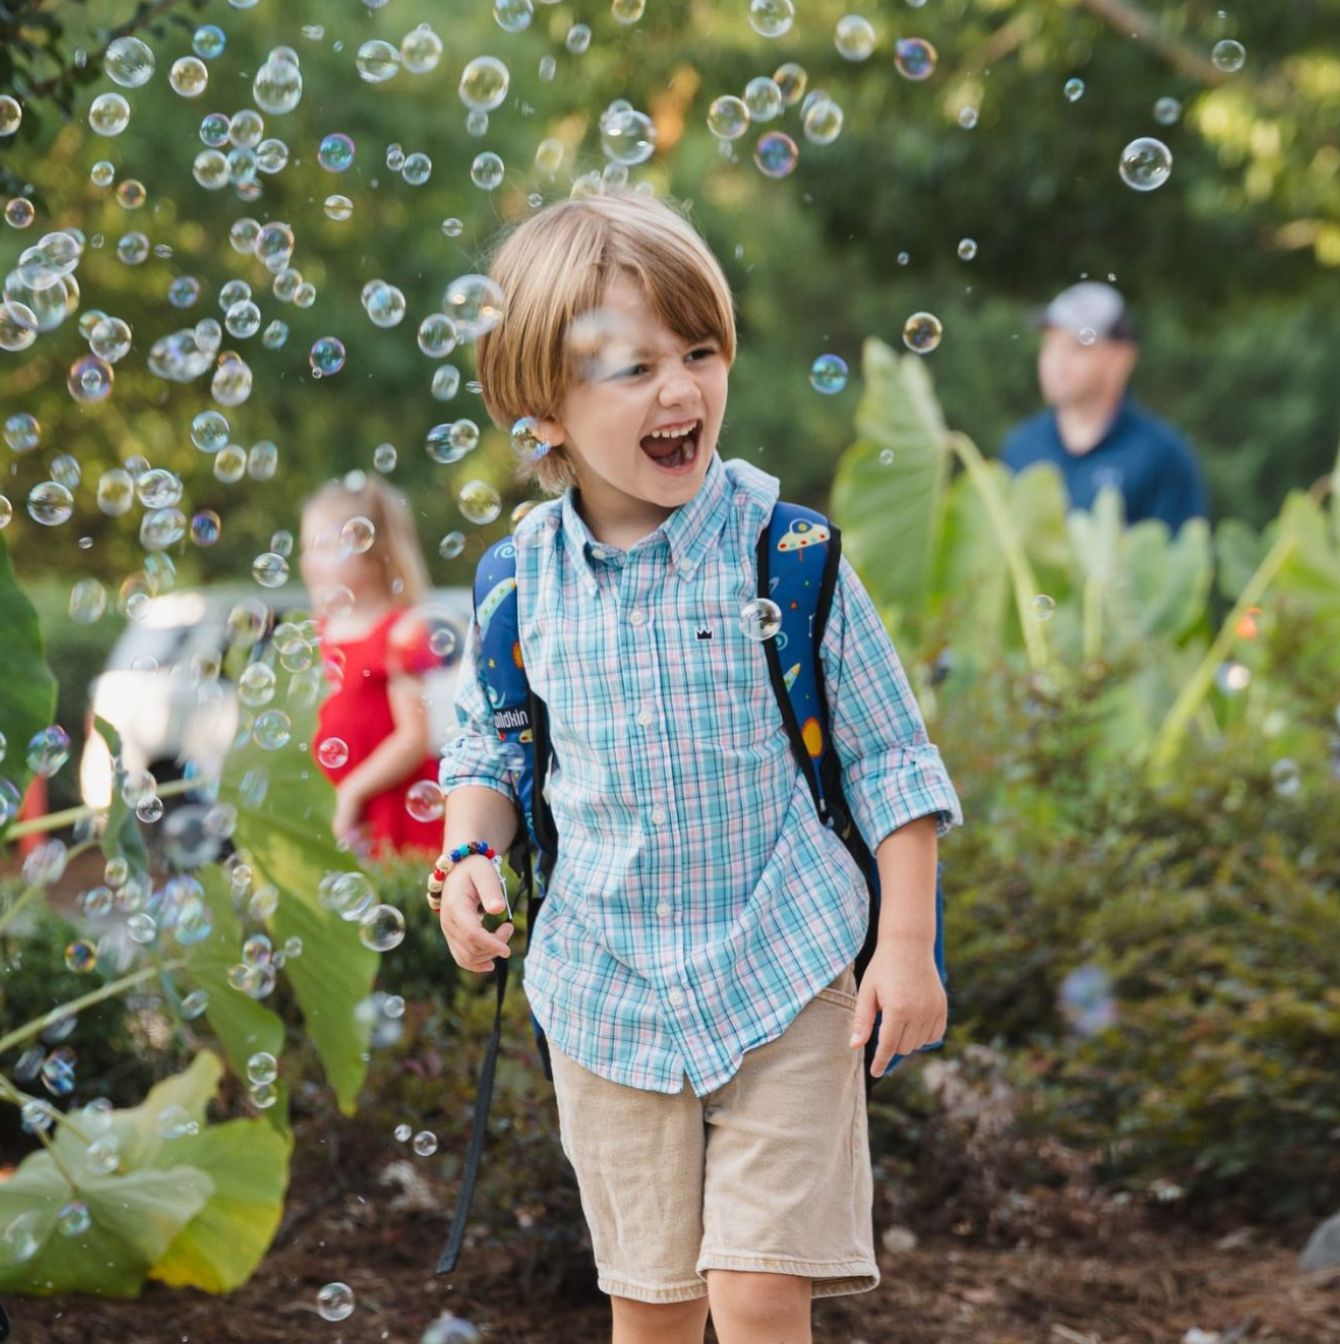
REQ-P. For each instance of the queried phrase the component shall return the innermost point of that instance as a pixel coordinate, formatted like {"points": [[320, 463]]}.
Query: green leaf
{"points": [[1239, 550], [242, 1025], [221, 1246], [288, 839], [121, 837], [892, 516], [1167, 578], [134, 1219], [27, 689]]}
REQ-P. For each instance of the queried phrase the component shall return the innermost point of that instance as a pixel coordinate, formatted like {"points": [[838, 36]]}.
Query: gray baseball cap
{"points": [[1092, 306]]}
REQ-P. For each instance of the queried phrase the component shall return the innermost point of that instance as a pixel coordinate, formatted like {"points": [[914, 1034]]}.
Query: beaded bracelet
{"points": [[446, 862]]}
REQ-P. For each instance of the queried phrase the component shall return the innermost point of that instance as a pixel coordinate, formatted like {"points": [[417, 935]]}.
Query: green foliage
{"points": [[34, 979], [195, 1210], [27, 690]]}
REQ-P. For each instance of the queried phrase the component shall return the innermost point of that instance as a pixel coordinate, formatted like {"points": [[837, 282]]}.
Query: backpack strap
{"points": [[515, 711], [798, 557]]}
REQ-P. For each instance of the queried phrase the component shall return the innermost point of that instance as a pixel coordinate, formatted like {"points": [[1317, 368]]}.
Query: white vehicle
{"points": [[159, 693]]}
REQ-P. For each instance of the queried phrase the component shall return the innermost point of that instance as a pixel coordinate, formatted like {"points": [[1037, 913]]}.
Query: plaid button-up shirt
{"points": [[698, 903]]}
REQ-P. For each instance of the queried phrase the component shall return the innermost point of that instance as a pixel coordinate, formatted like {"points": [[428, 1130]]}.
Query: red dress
{"points": [[358, 712]]}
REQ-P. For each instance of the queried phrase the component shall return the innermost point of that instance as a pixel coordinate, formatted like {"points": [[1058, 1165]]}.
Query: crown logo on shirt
{"points": [[704, 632]]}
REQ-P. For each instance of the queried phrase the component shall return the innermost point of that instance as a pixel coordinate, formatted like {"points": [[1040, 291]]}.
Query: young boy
{"points": [[692, 965]]}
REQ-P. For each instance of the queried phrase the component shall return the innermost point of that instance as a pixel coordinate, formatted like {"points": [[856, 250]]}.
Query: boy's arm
{"points": [[481, 802], [899, 792]]}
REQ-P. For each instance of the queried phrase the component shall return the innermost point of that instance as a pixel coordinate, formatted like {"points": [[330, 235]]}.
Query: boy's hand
{"points": [[471, 890], [903, 985]]}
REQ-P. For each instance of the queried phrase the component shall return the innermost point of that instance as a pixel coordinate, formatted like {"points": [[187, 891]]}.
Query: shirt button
{"points": [[599, 553], [662, 910], [636, 617], [644, 718], [675, 998], [658, 816]]}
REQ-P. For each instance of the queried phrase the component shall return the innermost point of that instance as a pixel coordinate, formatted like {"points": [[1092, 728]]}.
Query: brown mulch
{"points": [[1086, 1273]]}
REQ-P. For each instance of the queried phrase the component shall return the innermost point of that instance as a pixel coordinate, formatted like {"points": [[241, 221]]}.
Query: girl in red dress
{"points": [[362, 566]]}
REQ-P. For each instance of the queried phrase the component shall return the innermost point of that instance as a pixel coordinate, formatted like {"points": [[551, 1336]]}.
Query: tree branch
{"points": [[1131, 20]]}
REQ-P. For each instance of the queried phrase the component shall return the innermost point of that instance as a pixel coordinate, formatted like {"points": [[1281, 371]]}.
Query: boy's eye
{"points": [[705, 351]]}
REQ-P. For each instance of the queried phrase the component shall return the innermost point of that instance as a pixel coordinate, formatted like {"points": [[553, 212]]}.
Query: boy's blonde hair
{"points": [[395, 541], [557, 265]]}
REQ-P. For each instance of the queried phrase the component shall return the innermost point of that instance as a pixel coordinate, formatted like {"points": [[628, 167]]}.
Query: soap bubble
{"points": [[1167, 111], [50, 504], [189, 77], [20, 213], [384, 305], [262, 1068], [479, 502], [333, 753], [208, 41], [914, 58], [424, 801], [142, 927], [335, 1302], [854, 38], [1146, 164], [449, 1329], [791, 79], [338, 208], [326, 356], [420, 50], [22, 1238], [11, 114], [828, 374], [88, 601], [475, 304], [763, 98], [1085, 999], [513, 16], [73, 1219], [22, 432], [377, 61], [336, 152], [437, 336], [1228, 55], [771, 18], [627, 137], [775, 154], [484, 84], [277, 87], [256, 685], [425, 1143], [1286, 778], [108, 114], [270, 570], [357, 534], [272, 730], [487, 171], [451, 545], [417, 170], [822, 121], [128, 62], [727, 117], [382, 928], [175, 1122], [922, 332], [627, 11], [760, 619], [967, 249], [528, 442], [578, 38], [1043, 607], [1073, 90], [81, 956]]}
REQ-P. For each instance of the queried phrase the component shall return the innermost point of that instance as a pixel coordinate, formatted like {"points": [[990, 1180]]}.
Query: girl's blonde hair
{"points": [[395, 541], [556, 266]]}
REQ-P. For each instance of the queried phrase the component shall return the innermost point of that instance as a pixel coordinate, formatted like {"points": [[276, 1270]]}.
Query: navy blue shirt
{"points": [[1146, 459]]}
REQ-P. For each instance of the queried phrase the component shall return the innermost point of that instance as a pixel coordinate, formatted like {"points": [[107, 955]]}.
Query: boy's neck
{"points": [[621, 522]]}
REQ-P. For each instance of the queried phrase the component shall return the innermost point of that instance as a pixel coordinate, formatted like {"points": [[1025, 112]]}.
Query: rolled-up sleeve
{"points": [[474, 755], [891, 771]]}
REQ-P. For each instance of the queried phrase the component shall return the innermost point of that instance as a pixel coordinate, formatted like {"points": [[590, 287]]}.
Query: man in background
{"points": [[1094, 431]]}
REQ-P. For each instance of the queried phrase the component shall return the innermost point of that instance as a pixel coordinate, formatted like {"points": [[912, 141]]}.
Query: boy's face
{"points": [[636, 381]]}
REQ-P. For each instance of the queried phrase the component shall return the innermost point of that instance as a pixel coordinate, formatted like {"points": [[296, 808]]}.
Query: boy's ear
{"points": [[551, 431]]}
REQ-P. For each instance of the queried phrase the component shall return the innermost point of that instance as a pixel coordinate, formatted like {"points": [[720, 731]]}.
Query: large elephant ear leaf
{"points": [[27, 689]]}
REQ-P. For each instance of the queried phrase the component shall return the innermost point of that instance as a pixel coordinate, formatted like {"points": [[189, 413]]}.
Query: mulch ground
{"points": [[1088, 1272]]}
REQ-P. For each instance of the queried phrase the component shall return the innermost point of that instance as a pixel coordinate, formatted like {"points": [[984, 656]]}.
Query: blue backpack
{"points": [[797, 559]]}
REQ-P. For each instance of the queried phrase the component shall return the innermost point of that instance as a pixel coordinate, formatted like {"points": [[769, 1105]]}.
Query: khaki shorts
{"points": [[770, 1173]]}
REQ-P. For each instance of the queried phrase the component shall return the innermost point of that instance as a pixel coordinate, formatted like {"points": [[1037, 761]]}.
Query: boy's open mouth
{"points": [[674, 449]]}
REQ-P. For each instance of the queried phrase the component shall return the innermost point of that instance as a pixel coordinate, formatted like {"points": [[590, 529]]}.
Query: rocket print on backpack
{"points": [[797, 559]]}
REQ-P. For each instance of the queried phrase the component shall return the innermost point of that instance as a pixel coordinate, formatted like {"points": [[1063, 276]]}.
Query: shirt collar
{"points": [[690, 530]]}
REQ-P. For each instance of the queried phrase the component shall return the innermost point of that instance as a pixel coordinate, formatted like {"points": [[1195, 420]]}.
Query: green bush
{"points": [[34, 978], [1209, 902]]}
